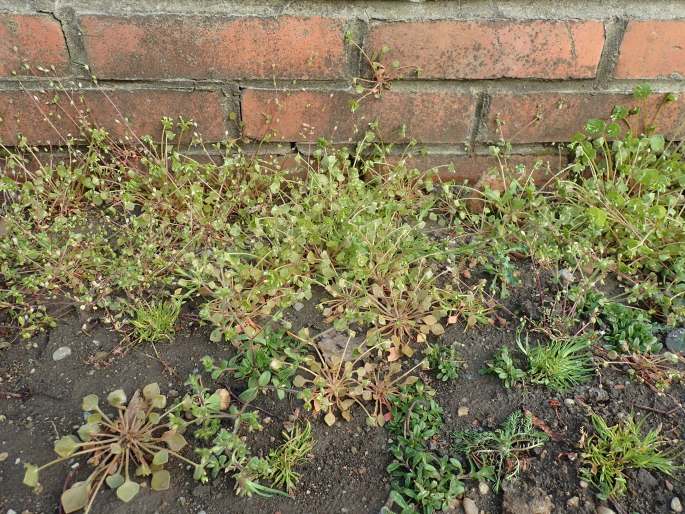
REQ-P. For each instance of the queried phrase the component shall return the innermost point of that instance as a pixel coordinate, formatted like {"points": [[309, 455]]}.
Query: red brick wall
{"points": [[469, 73]]}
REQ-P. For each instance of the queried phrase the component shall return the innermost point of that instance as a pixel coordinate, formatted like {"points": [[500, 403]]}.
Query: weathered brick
{"points": [[554, 117], [491, 49], [36, 40], [430, 117], [214, 48], [125, 114], [652, 49], [471, 168]]}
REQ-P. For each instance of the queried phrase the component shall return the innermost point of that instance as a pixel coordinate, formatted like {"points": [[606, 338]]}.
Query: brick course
{"points": [[491, 49], [125, 114], [430, 117], [33, 40], [652, 49], [556, 117], [468, 74], [199, 47]]}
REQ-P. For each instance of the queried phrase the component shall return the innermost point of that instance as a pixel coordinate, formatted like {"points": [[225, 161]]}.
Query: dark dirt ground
{"points": [[40, 400]]}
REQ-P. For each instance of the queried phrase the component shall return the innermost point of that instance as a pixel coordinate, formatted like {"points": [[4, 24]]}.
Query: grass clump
{"points": [[295, 450], [611, 451], [497, 454], [559, 364], [155, 322]]}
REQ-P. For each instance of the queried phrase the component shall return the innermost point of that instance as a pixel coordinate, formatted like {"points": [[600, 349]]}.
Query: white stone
{"points": [[61, 353], [470, 506]]}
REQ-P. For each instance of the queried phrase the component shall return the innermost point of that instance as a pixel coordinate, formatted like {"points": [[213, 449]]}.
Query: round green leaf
{"points": [[150, 391], [85, 432], [66, 446], [160, 458], [159, 401], [75, 498], [30, 475], [89, 402], [127, 491], [264, 378], [94, 418], [160, 480], [175, 441], [114, 481], [116, 398], [248, 395], [143, 470]]}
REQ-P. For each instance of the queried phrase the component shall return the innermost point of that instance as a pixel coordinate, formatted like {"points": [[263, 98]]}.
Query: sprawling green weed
{"points": [[497, 454]]}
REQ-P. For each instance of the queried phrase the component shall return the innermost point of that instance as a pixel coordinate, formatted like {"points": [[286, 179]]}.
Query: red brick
{"points": [[471, 168], [492, 49], [552, 117], [36, 40], [652, 49], [123, 113], [430, 117], [214, 48]]}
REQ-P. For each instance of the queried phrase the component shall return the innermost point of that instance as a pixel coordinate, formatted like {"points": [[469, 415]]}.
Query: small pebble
{"points": [[675, 340], [573, 503], [676, 506], [483, 488], [298, 306], [462, 411], [61, 353], [583, 484], [11, 511], [470, 506], [604, 510], [569, 402], [3, 456]]}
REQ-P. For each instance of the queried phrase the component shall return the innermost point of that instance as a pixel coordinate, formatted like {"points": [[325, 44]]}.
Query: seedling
{"points": [[381, 77], [445, 360], [611, 451], [503, 367], [657, 371], [628, 329], [296, 449]]}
